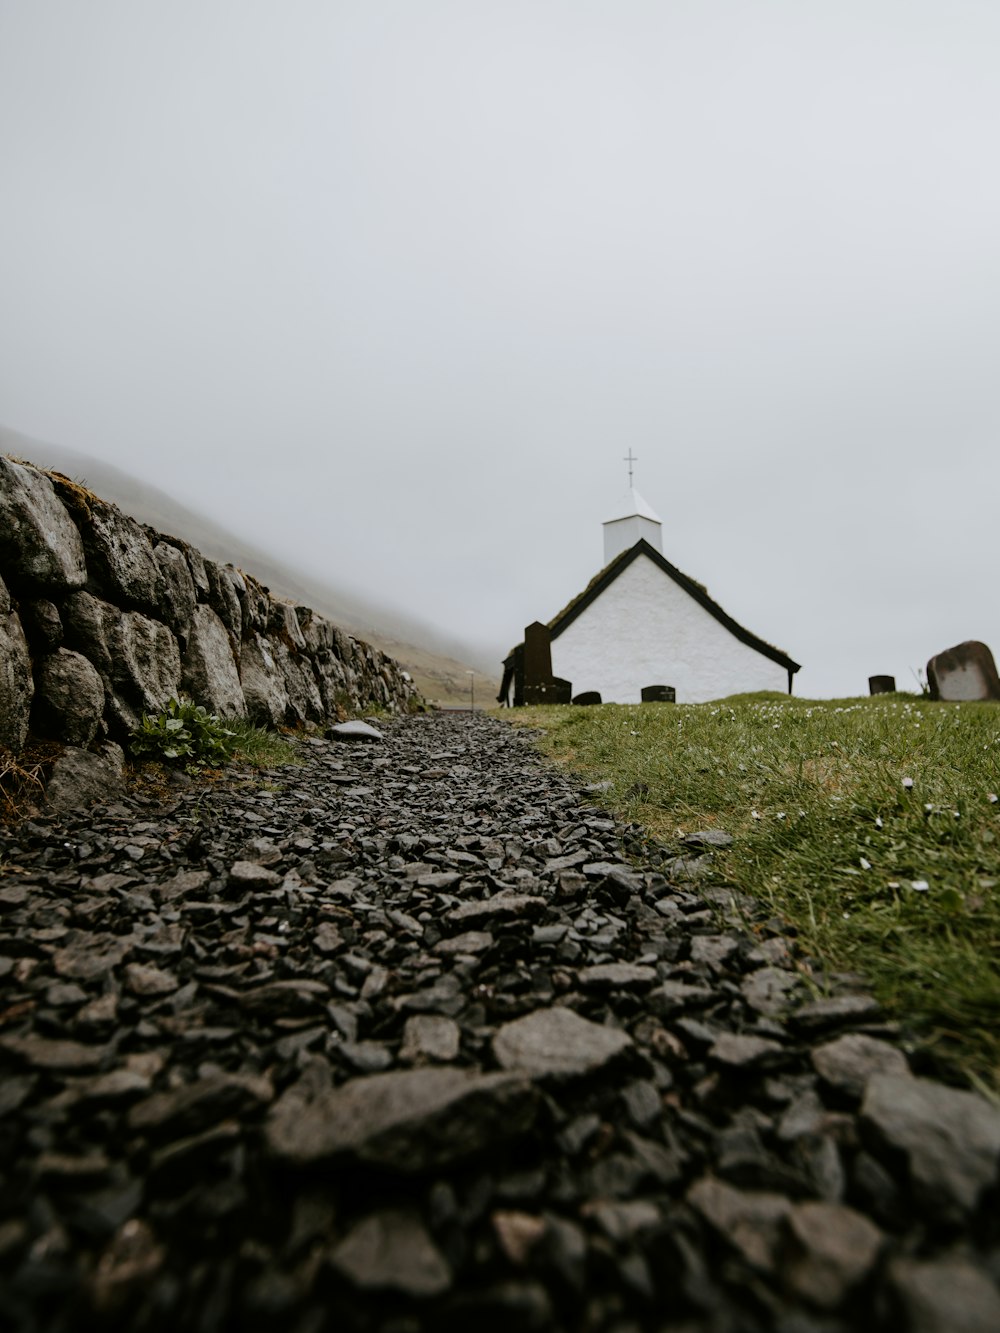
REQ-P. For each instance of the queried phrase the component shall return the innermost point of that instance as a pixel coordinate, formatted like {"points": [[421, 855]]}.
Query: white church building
{"points": [[641, 622]]}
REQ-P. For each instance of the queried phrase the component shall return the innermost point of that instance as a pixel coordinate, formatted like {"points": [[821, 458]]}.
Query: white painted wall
{"points": [[646, 630]]}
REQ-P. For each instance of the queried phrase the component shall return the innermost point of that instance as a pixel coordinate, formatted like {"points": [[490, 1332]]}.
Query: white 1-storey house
{"points": [[642, 622]]}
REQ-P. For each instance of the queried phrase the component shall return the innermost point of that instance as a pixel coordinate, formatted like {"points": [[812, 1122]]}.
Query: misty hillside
{"points": [[438, 664]]}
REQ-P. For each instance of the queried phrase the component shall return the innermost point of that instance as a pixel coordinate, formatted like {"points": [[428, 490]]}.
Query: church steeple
{"points": [[631, 520]]}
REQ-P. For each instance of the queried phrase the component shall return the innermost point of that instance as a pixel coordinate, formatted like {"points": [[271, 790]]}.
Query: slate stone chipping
{"points": [[416, 1037]]}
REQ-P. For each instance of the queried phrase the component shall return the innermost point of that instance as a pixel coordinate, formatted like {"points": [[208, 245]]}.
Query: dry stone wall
{"points": [[103, 619]]}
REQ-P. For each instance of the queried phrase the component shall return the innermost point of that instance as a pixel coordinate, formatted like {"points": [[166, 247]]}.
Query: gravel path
{"points": [[417, 1037]]}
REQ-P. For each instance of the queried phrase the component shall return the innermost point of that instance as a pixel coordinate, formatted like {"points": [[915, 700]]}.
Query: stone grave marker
{"points": [[964, 673], [659, 694], [881, 684]]}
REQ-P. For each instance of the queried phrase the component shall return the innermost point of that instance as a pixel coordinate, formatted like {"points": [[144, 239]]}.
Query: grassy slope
{"points": [[894, 880]]}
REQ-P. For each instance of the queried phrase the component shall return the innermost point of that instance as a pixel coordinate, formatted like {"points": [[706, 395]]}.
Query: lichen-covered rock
{"points": [[304, 700], [208, 671], [83, 621], [331, 679], [224, 600], [137, 658], [199, 574], [40, 546], [284, 624], [16, 684], [80, 778], [264, 690], [179, 597], [147, 666], [42, 625], [317, 631], [256, 605], [69, 699], [120, 560]]}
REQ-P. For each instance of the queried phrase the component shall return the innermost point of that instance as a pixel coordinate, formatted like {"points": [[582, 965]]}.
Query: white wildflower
{"points": [[865, 864], [993, 798], [908, 784], [754, 814], [878, 821], [920, 885]]}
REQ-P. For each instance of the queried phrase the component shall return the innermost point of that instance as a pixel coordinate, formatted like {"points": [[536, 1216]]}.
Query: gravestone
{"points": [[659, 694], [588, 697], [551, 691], [881, 684], [964, 673], [537, 654], [540, 686]]}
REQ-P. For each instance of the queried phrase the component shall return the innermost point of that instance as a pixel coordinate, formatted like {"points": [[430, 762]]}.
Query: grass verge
{"points": [[871, 825]]}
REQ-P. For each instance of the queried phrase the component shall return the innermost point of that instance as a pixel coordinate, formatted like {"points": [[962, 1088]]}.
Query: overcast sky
{"points": [[392, 286]]}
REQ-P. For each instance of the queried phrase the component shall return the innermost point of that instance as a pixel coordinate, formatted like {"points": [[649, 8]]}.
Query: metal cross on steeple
{"points": [[630, 460]]}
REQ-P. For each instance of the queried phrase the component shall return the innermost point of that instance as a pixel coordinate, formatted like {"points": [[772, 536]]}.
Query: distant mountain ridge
{"points": [[438, 664]]}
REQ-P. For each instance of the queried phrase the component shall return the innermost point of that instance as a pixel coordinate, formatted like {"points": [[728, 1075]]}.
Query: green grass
{"points": [[258, 747], [831, 836]]}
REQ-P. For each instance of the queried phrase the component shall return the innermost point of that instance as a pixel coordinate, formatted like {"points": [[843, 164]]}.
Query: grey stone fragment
{"points": [[833, 1248], [191, 1107], [558, 1041], [501, 907], [713, 837], [69, 700], [715, 951], [252, 875], [89, 956], [16, 685], [471, 942], [40, 545], [208, 669], [674, 997], [950, 1139], [430, 1037], [849, 1062], [392, 1251], [768, 990], [142, 979], [405, 1121], [354, 731], [945, 1296], [617, 976], [61, 1056], [80, 778], [835, 1011], [751, 1221], [745, 1051]]}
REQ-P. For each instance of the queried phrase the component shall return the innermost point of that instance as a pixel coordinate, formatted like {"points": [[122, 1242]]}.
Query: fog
{"points": [[394, 287]]}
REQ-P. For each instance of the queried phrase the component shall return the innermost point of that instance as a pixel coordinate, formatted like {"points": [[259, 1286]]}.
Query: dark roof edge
{"points": [[695, 590]]}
